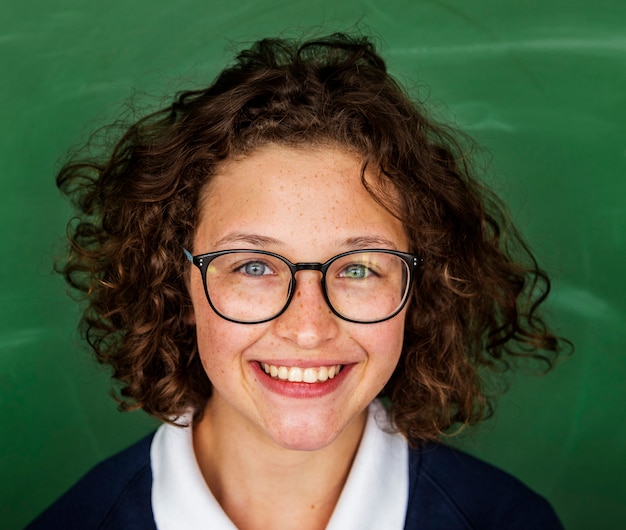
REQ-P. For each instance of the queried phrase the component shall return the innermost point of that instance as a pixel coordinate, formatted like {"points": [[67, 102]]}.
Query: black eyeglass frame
{"points": [[202, 261]]}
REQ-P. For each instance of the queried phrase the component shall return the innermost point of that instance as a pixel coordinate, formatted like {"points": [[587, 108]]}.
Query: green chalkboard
{"points": [[541, 84]]}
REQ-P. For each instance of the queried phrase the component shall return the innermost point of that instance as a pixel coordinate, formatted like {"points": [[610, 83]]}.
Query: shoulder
{"points": [[115, 494], [451, 489]]}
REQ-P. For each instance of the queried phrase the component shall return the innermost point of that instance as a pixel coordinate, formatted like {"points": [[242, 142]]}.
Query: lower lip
{"points": [[300, 390]]}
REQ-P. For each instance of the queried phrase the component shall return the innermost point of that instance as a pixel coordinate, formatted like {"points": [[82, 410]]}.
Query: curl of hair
{"points": [[476, 299]]}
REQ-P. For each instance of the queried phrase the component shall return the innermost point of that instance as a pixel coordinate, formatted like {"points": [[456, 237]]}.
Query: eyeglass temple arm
{"points": [[188, 255]]}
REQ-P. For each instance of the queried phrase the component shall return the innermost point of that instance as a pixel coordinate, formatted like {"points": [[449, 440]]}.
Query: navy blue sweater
{"points": [[448, 490]]}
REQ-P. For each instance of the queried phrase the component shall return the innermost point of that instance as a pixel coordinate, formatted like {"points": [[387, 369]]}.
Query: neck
{"points": [[262, 485]]}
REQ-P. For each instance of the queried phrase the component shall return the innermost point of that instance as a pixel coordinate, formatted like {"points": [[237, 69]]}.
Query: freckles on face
{"points": [[307, 205]]}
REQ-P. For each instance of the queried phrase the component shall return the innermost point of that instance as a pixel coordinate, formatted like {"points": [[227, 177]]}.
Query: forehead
{"points": [[291, 193]]}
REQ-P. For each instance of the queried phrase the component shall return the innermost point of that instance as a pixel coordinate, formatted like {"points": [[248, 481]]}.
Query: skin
{"points": [[259, 446]]}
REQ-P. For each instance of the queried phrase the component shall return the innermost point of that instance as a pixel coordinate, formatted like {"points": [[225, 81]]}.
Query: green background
{"points": [[541, 84]]}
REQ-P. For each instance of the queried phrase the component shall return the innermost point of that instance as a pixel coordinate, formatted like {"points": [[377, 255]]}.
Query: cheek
{"points": [[216, 338], [384, 344], [222, 344], [211, 332], [210, 328]]}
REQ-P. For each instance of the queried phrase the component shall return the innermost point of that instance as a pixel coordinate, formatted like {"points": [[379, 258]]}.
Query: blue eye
{"points": [[355, 272], [255, 268]]}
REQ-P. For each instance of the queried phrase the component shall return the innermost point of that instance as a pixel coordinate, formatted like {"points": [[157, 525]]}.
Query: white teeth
{"points": [[295, 374], [309, 375]]}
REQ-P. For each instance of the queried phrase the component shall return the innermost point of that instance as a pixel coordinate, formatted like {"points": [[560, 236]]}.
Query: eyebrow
{"points": [[252, 239], [352, 243], [369, 242]]}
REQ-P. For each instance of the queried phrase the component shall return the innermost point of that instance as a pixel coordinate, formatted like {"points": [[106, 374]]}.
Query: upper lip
{"points": [[303, 363]]}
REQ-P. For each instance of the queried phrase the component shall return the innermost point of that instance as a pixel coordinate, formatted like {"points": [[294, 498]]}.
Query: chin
{"points": [[312, 434], [306, 441]]}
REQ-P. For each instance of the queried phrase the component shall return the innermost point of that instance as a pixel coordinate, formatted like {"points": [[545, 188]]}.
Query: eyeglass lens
{"points": [[363, 286]]}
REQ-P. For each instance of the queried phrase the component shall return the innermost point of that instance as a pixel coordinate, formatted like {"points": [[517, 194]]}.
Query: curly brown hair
{"points": [[475, 302]]}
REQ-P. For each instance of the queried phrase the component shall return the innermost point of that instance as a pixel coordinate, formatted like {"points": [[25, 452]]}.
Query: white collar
{"points": [[375, 495]]}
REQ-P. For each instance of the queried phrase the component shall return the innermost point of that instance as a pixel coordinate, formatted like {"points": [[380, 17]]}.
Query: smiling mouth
{"points": [[295, 374]]}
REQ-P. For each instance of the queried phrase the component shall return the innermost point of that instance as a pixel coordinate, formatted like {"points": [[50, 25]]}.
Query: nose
{"points": [[308, 321]]}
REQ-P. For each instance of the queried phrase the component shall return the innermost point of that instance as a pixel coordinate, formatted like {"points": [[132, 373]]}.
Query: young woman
{"points": [[296, 271]]}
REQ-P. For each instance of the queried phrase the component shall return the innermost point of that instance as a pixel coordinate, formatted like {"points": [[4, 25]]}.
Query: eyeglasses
{"points": [[254, 286]]}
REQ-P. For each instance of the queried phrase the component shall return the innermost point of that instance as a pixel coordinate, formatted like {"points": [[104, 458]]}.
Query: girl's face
{"points": [[307, 205]]}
